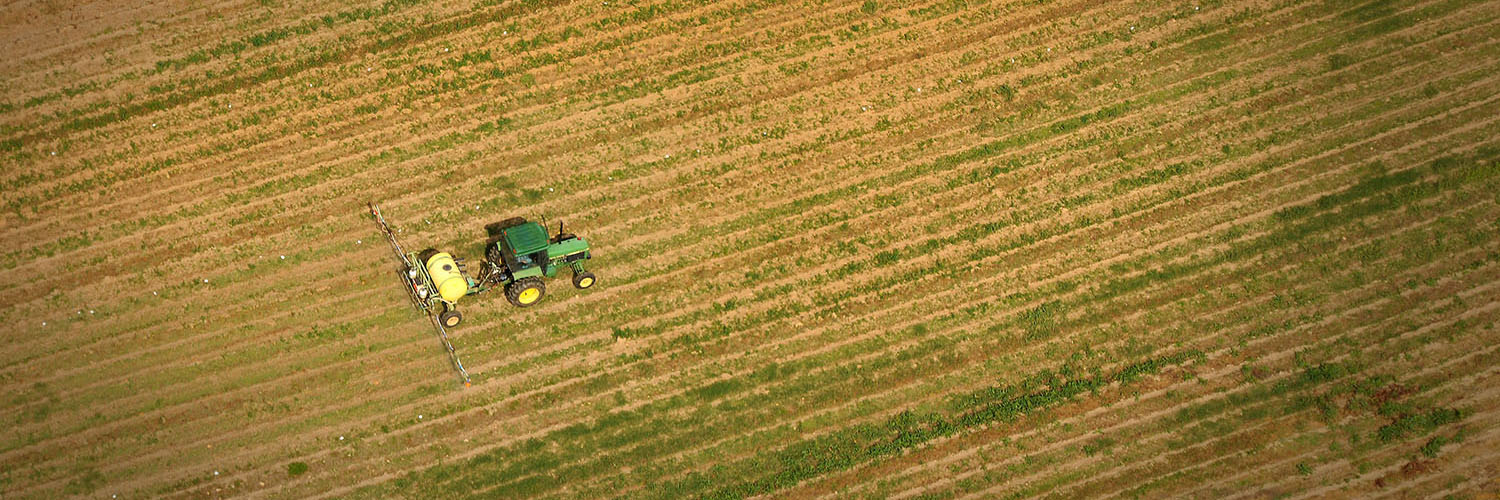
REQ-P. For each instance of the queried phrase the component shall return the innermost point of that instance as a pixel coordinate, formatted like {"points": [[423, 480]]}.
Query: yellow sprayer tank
{"points": [[450, 283]]}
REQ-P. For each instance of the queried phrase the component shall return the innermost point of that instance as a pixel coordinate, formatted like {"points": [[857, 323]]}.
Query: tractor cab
{"points": [[523, 247]]}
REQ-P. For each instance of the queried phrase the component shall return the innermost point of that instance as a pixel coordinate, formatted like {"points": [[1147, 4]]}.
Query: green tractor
{"points": [[517, 256], [520, 253]]}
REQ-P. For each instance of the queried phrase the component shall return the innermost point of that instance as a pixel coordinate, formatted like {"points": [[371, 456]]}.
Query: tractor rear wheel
{"points": [[492, 254], [450, 317], [525, 292], [583, 280]]}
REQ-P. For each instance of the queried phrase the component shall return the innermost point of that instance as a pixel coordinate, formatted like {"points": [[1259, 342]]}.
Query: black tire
{"points": [[583, 280], [424, 255], [450, 318], [492, 254], [517, 293]]}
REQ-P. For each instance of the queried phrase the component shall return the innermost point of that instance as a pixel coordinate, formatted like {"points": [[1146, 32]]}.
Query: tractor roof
{"points": [[526, 238]]}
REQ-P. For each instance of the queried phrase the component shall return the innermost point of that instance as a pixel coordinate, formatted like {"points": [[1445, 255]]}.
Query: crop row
{"points": [[690, 334]]}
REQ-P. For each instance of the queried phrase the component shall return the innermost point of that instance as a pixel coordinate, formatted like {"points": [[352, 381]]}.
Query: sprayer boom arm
{"points": [[410, 290]]}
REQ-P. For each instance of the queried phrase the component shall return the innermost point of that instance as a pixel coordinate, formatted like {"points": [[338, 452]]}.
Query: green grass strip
{"points": [[861, 443]]}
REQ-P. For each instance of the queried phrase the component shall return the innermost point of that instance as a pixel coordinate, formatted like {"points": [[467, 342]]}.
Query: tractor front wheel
{"points": [[450, 317], [525, 291], [583, 280]]}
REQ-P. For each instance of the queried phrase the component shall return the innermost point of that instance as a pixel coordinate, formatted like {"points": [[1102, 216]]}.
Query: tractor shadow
{"points": [[495, 230]]}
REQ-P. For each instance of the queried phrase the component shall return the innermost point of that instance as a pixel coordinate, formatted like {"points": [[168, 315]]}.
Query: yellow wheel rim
{"points": [[453, 321], [586, 282], [529, 295]]}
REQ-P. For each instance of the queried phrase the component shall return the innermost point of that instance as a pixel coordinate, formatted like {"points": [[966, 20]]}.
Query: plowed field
{"points": [[864, 249]]}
